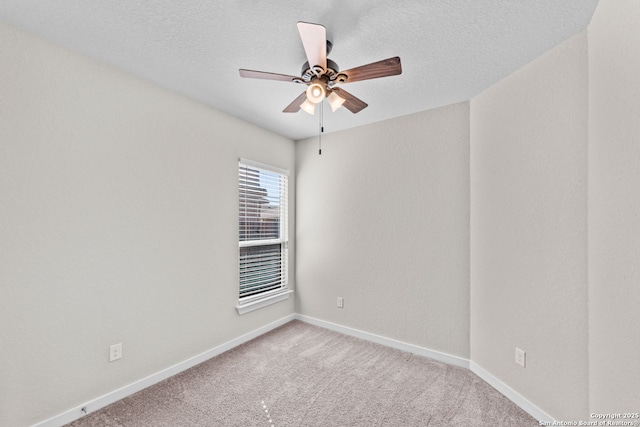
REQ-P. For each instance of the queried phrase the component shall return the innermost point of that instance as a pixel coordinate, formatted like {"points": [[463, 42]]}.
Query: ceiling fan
{"points": [[321, 74]]}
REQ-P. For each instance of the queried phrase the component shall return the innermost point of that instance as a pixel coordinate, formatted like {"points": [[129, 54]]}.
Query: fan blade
{"points": [[294, 107], [351, 103], [314, 40], [251, 74], [384, 68]]}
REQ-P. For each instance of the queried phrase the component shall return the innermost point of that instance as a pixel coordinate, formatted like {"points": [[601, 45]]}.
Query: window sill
{"points": [[263, 302]]}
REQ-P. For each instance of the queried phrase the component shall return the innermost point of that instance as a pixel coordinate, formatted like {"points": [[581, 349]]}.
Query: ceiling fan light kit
{"points": [[324, 74]]}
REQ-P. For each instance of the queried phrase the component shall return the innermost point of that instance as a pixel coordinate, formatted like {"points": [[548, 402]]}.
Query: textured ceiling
{"points": [[451, 50]]}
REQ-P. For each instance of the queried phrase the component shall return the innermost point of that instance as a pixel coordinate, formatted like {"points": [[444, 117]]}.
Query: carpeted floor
{"points": [[303, 375]]}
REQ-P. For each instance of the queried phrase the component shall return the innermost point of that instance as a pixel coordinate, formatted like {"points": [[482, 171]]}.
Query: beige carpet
{"points": [[303, 375]]}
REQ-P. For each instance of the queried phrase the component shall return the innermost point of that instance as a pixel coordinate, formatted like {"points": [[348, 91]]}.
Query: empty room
{"points": [[410, 213]]}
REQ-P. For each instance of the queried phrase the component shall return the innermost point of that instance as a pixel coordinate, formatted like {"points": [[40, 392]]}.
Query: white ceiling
{"points": [[451, 50]]}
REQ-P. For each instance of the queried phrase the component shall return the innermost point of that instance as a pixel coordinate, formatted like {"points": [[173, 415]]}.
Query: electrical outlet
{"points": [[520, 357], [115, 352], [340, 302]]}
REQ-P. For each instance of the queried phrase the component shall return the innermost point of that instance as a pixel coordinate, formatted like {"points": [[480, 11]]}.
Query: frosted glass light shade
{"points": [[315, 93], [308, 107], [335, 101]]}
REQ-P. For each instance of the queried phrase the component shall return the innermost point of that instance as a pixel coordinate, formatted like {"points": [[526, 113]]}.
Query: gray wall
{"points": [[383, 221], [614, 207], [529, 230], [117, 224]]}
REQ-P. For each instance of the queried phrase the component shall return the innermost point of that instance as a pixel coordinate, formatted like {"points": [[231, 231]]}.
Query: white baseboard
{"points": [[507, 391], [511, 394], [411, 348], [111, 397]]}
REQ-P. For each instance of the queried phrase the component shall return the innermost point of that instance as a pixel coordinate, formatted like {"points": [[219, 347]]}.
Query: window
{"points": [[262, 237]]}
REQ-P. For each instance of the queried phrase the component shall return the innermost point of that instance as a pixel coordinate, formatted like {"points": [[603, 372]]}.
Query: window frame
{"points": [[253, 302]]}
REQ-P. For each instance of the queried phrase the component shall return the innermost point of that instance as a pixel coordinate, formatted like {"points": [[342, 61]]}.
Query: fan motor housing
{"points": [[332, 68], [331, 74]]}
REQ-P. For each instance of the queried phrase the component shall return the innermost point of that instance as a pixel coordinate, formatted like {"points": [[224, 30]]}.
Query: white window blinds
{"points": [[262, 229]]}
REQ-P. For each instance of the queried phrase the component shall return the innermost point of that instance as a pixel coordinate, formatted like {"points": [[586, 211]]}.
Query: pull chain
{"points": [[321, 130]]}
